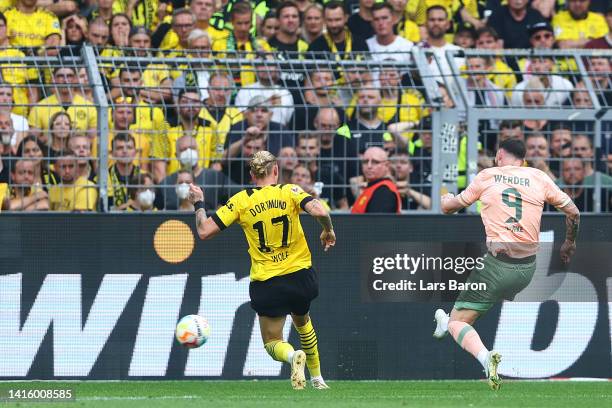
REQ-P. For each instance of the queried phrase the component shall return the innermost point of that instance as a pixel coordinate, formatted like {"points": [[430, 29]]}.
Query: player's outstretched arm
{"points": [[572, 224], [451, 204], [205, 226], [316, 209]]}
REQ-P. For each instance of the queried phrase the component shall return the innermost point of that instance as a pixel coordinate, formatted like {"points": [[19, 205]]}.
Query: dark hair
{"points": [[16, 162], [557, 125], [468, 29], [183, 91], [436, 7], [487, 30], [44, 163], [380, 6], [130, 67], [139, 30], [67, 154], [3, 17], [287, 4], [111, 40], [136, 182], [123, 137], [510, 124], [515, 147], [308, 136], [335, 4], [270, 14], [57, 115], [183, 11], [396, 153], [62, 66], [241, 7]]}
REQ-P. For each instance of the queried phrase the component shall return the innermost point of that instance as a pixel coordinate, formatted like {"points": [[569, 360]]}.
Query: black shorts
{"points": [[282, 295]]}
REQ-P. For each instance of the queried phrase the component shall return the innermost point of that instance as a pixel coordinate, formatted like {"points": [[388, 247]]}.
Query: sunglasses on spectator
{"points": [[543, 36]]}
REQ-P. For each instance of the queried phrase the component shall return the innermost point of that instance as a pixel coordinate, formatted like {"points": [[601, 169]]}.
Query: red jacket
{"points": [[361, 204]]}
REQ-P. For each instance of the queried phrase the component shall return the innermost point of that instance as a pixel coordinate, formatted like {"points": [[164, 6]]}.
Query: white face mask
{"points": [[146, 198], [189, 158], [6, 139], [182, 191]]}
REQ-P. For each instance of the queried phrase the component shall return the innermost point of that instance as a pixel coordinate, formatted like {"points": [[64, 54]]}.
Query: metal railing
{"points": [[447, 113]]}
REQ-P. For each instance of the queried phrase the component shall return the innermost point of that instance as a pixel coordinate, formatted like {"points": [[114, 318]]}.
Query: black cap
{"points": [[544, 25]]}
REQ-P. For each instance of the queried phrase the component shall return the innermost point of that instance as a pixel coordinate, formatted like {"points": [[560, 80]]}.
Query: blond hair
{"points": [[262, 163]]}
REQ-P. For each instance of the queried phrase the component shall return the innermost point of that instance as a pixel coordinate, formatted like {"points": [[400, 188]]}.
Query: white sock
{"points": [[317, 378], [482, 357], [290, 356]]}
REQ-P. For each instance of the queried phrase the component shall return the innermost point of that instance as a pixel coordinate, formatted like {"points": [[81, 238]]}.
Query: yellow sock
{"points": [[279, 350], [308, 339]]}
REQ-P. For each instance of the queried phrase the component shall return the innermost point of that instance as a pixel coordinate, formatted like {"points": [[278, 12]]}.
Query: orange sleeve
{"points": [[553, 194], [472, 193]]}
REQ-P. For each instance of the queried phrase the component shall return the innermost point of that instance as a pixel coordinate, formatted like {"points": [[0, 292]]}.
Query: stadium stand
{"points": [[125, 93]]}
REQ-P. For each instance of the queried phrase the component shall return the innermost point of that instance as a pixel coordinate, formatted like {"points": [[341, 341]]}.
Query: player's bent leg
{"points": [[308, 340], [460, 327], [272, 335], [279, 350]]}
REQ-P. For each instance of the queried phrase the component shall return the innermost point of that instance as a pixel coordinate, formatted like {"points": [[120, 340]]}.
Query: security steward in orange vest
{"points": [[381, 195]]}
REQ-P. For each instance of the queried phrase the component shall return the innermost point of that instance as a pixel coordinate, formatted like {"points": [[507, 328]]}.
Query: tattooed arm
{"points": [[316, 209], [572, 224], [205, 226]]}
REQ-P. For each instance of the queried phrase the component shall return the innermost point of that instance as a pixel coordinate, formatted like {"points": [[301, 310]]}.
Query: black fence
{"points": [[97, 297]]}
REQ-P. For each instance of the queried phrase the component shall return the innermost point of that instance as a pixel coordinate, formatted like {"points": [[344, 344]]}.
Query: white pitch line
{"points": [[163, 397]]}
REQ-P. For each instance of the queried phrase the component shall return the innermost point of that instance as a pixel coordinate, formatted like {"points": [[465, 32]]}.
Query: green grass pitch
{"points": [[353, 394]]}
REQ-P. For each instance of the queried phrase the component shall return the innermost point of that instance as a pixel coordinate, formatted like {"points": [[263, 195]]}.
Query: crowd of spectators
{"points": [[355, 136]]}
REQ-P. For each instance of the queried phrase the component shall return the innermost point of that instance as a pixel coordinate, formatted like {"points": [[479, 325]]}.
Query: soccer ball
{"points": [[192, 331]]}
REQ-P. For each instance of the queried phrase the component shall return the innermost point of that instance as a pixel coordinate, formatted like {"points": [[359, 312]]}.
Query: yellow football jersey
{"points": [[4, 193], [246, 74], [566, 28], [142, 140], [165, 147], [149, 120], [269, 217], [171, 39], [503, 76], [82, 112], [409, 107], [232, 116], [80, 196], [19, 75], [6, 4], [143, 14], [409, 30], [31, 30], [417, 10]]}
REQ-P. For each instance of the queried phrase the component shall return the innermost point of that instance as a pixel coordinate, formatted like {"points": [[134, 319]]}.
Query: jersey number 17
{"points": [[261, 232]]}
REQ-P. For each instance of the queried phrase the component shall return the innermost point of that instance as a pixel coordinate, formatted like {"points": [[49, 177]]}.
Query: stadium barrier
{"points": [[98, 297], [545, 91], [469, 96]]}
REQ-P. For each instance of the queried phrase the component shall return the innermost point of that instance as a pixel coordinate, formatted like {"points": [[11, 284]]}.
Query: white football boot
{"points": [[318, 383], [298, 363], [441, 319], [493, 360]]}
